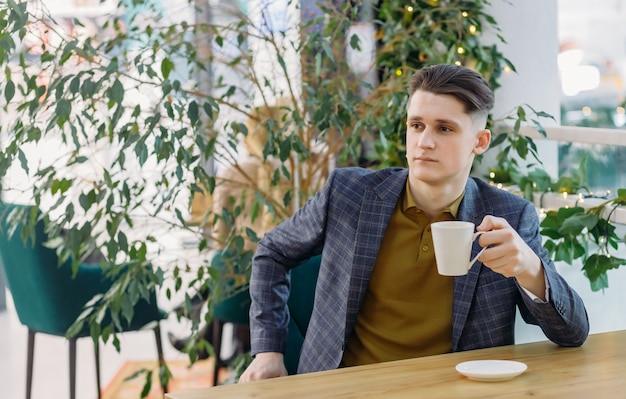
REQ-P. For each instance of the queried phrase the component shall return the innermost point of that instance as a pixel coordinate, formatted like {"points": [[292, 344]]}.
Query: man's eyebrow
{"points": [[442, 121]]}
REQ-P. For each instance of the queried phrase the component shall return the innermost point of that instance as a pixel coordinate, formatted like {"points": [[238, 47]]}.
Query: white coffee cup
{"points": [[453, 246]]}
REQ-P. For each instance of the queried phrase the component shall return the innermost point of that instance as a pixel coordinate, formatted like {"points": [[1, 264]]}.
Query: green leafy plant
{"points": [[517, 160], [585, 234]]}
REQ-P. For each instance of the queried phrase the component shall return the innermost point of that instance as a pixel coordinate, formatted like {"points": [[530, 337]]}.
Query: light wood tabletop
{"points": [[595, 370]]}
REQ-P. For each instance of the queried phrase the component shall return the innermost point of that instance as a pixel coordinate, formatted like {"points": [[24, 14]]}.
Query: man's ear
{"points": [[483, 138]]}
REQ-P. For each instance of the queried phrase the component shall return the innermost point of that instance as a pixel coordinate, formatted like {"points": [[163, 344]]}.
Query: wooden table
{"points": [[596, 370]]}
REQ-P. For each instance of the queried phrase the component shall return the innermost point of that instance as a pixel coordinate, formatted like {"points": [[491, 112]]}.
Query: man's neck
{"points": [[433, 199]]}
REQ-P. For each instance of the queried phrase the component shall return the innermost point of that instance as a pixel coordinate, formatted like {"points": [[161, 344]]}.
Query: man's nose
{"points": [[426, 139]]}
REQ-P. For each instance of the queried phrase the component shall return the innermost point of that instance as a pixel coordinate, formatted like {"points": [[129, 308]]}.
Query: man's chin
{"points": [[425, 175]]}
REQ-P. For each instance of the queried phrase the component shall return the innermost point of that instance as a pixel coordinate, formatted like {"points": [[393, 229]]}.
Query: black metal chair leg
{"points": [[30, 354], [73, 368], [217, 348], [96, 352], [159, 344]]}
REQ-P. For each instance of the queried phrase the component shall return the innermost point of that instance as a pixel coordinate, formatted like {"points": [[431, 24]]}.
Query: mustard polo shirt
{"points": [[407, 308]]}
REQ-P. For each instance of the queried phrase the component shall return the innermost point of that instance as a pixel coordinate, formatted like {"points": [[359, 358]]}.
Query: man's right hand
{"points": [[265, 365]]}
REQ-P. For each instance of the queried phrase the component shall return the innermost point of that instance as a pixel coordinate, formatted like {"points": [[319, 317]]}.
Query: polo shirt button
{"points": [[425, 248]]}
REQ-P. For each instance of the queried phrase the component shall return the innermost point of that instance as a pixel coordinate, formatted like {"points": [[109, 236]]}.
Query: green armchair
{"points": [[48, 299], [300, 303], [301, 298]]}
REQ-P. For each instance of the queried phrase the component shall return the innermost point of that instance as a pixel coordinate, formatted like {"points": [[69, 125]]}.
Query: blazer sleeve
{"points": [[563, 319], [284, 247]]}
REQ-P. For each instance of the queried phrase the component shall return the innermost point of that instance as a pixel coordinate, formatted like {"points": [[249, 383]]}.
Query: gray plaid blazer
{"points": [[346, 221]]}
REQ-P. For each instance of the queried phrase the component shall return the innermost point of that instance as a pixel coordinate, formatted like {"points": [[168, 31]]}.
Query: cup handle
{"points": [[471, 262]]}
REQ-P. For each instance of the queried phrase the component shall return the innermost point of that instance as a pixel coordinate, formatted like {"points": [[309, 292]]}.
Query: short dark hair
{"points": [[461, 82]]}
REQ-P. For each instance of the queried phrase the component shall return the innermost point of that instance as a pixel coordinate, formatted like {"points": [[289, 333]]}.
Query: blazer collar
{"points": [[390, 188], [473, 209]]}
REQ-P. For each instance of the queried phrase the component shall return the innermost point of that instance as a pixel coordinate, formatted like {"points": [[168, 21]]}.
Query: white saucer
{"points": [[491, 370]]}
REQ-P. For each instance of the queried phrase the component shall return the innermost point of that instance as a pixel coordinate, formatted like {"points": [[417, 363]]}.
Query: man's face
{"points": [[442, 139]]}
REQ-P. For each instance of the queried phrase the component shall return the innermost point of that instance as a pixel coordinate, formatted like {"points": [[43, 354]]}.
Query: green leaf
{"points": [[85, 201], [354, 42], [193, 112], [18, 13], [116, 93], [563, 253], [597, 265], [166, 67], [521, 148], [122, 241], [600, 283], [127, 308], [147, 385], [62, 111], [551, 221], [23, 161], [88, 89], [141, 151], [9, 91], [575, 224], [75, 328], [94, 330], [60, 186], [68, 51], [75, 85], [564, 213], [499, 139], [521, 113]]}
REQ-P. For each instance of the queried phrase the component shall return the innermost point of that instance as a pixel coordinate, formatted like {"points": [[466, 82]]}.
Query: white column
{"points": [[531, 30]]}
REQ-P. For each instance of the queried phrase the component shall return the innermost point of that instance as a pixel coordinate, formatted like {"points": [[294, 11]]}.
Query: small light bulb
{"points": [[472, 29], [460, 50]]}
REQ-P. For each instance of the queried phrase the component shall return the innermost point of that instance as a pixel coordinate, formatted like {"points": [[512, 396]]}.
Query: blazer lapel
{"points": [[472, 209], [376, 209]]}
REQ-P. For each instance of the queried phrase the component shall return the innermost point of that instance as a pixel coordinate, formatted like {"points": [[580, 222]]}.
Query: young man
{"points": [[379, 296]]}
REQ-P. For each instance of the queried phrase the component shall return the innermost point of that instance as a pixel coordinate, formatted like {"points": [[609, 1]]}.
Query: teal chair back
{"points": [[47, 298], [44, 295], [301, 300], [236, 308]]}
